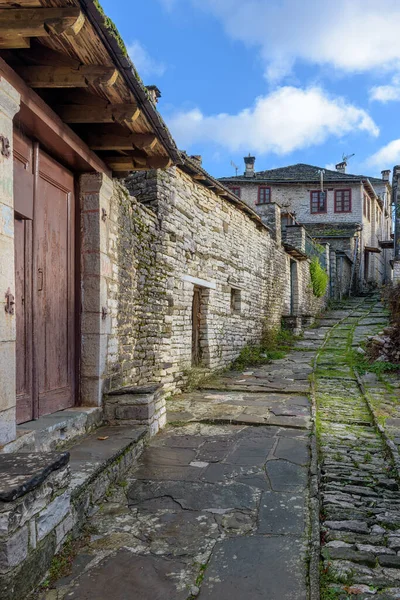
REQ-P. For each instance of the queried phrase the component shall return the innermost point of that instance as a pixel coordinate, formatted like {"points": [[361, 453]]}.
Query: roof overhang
{"points": [[386, 243], [72, 56]]}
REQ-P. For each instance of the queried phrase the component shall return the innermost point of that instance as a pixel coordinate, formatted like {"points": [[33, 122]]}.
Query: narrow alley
{"points": [[224, 502]]}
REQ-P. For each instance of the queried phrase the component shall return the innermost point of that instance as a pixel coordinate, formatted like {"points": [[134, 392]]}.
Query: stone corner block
{"points": [[52, 515]]}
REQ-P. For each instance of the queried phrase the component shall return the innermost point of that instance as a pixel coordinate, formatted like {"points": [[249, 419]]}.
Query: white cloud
{"points": [[387, 156], [287, 119], [354, 36], [144, 63], [387, 93]]}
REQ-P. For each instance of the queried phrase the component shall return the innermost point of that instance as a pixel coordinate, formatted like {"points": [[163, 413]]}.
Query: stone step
{"points": [[47, 496], [52, 432]]}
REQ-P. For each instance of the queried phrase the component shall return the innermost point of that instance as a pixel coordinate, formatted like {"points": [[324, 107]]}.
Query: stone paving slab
{"points": [[198, 491], [258, 568], [288, 410], [217, 507]]}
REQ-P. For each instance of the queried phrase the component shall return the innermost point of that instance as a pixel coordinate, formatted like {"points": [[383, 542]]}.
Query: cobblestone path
{"points": [[359, 491], [223, 503]]}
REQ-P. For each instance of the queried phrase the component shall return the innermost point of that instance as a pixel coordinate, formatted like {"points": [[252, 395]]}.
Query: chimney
{"points": [[197, 158], [386, 174], [341, 167], [154, 93], [249, 162]]}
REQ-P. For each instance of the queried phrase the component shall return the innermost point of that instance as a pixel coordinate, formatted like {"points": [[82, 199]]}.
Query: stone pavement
{"points": [[219, 504], [359, 488]]}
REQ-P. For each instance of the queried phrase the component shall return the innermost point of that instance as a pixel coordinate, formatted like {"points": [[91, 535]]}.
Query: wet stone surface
{"points": [[220, 493], [218, 506]]}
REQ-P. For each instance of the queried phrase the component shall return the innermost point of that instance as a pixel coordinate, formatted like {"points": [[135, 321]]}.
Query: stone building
{"points": [[112, 286], [351, 212]]}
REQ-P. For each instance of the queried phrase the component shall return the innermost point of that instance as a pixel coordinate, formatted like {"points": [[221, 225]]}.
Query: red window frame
{"points": [[263, 188], [342, 193], [236, 190], [318, 212]]}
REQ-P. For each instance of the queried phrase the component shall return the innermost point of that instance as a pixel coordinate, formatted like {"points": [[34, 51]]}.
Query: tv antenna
{"points": [[347, 157], [235, 167]]}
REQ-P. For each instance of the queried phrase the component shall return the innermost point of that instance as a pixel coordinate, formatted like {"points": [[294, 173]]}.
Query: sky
{"points": [[286, 81]]}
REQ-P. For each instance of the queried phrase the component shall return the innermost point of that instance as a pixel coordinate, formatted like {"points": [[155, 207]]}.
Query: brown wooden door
{"points": [[53, 286], [23, 204], [45, 295], [196, 318]]}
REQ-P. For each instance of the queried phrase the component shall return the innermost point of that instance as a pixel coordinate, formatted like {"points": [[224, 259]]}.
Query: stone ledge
{"points": [[136, 389], [22, 473], [48, 433], [137, 405], [51, 496], [97, 451]]}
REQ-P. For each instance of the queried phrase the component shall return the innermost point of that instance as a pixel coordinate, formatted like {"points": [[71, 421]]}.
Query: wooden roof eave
{"points": [[128, 89], [126, 68]]}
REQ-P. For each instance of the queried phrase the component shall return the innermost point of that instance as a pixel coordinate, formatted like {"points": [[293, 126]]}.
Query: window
{"points": [[369, 209], [342, 201], [236, 190], [365, 205], [235, 301], [317, 202], [264, 194], [287, 219]]}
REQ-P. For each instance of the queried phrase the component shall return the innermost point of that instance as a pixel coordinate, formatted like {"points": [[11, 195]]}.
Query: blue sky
{"points": [[284, 80]]}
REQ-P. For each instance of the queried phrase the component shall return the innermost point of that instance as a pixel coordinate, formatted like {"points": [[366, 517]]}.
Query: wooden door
{"points": [[196, 318], [23, 204], [53, 286], [45, 295]]}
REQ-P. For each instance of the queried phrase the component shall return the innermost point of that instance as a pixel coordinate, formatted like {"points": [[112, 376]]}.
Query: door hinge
{"points": [[10, 302]]}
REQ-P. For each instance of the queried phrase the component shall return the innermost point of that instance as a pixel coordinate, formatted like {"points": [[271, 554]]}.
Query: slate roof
{"points": [[302, 173], [332, 229]]}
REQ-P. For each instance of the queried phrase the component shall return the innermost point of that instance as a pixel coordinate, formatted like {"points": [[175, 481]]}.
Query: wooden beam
{"points": [[40, 121], [15, 42], [143, 141], [68, 77], [75, 113], [129, 163], [199, 177], [20, 3], [39, 22], [219, 192]]}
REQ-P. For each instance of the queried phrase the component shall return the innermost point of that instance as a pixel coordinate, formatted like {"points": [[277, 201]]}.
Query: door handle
{"points": [[40, 280]]}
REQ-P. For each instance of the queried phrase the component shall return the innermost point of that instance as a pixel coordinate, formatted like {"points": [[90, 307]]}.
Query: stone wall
{"points": [[173, 234], [35, 518], [296, 199], [9, 105]]}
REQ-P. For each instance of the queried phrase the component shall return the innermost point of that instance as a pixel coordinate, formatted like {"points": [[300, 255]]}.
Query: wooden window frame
{"points": [[342, 191], [237, 190], [318, 212], [263, 187]]}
